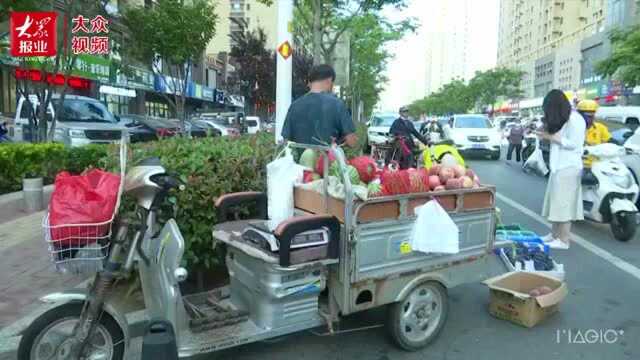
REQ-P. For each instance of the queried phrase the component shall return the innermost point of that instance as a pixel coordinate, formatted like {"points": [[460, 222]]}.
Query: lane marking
{"points": [[577, 239]]}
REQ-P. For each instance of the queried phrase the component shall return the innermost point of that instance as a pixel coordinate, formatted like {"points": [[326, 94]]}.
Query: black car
{"points": [[148, 128]]}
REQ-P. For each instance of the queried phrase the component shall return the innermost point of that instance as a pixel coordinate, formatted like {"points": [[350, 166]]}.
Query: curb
{"points": [[17, 196]]}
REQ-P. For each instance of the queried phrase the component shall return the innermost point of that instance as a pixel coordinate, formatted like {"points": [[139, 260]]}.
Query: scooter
{"points": [[609, 191], [91, 323]]}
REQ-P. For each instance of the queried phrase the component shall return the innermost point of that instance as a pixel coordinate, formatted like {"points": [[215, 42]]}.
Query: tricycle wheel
{"points": [[417, 320]]}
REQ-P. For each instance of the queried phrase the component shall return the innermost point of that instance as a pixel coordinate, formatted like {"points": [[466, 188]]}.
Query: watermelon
{"points": [[366, 167], [445, 174], [374, 188], [320, 162], [308, 159], [354, 176]]}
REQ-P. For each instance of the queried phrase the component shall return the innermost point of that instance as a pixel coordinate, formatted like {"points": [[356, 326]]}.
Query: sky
{"points": [[406, 71]]}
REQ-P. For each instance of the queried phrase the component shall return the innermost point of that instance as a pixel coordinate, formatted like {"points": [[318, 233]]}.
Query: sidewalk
{"points": [[27, 272]]}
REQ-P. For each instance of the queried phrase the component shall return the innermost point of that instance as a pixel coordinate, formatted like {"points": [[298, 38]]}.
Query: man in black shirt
{"points": [[319, 117], [403, 131]]}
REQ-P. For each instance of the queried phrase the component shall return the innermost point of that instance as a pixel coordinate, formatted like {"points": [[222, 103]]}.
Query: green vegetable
{"points": [[352, 172]]}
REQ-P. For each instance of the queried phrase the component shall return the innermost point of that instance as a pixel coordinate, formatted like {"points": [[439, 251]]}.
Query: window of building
{"points": [[248, 7]]}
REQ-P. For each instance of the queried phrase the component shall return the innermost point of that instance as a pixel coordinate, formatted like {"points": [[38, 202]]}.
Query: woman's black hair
{"points": [[557, 110]]}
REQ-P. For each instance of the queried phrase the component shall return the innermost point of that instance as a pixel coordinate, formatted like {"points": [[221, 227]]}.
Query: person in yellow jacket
{"points": [[437, 152], [597, 132]]}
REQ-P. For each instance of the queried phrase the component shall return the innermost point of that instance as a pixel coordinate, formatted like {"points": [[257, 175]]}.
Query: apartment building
{"points": [[455, 47], [543, 38], [255, 14]]}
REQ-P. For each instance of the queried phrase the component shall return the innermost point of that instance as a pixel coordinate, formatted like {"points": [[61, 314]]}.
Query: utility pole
{"points": [[284, 63]]}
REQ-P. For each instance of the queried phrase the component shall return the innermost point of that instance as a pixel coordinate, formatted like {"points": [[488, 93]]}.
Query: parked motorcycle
{"points": [[609, 191]]}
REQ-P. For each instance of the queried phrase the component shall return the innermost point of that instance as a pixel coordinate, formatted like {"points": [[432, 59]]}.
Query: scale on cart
{"points": [[258, 234]]}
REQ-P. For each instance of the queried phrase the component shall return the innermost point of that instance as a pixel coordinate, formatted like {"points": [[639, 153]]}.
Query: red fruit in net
{"points": [[395, 182], [366, 167], [417, 181]]}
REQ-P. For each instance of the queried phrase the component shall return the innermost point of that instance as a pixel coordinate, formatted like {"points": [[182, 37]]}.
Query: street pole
{"points": [[284, 64]]}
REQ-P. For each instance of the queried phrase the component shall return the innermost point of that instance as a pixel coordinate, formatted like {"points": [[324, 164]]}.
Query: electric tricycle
{"points": [[333, 258]]}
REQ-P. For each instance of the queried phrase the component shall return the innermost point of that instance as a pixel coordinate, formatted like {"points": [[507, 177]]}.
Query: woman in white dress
{"points": [[565, 129]]}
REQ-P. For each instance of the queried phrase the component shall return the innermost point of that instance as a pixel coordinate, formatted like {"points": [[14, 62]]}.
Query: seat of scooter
{"points": [[588, 178], [230, 233]]}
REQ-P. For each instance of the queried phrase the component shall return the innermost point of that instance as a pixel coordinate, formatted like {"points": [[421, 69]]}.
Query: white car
{"points": [[378, 127], [473, 134], [217, 123]]}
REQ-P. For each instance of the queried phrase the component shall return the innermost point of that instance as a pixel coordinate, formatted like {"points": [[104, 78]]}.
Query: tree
{"points": [[454, 97], [322, 22], [64, 62], [6, 6], [369, 57], [624, 61], [255, 71], [168, 37], [488, 86]]}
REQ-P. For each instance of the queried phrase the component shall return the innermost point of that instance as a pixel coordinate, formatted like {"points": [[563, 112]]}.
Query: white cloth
{"points": [[563, 198], [568, 153]]}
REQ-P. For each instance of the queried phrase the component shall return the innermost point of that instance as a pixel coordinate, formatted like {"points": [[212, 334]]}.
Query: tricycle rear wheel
{"points": [[417, 320]]}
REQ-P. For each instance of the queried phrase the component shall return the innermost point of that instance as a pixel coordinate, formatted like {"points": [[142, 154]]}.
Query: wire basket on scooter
{"points": [[83, 248], [77, 248]]}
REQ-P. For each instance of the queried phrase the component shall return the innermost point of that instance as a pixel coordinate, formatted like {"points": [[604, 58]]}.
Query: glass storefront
{"points": [[116, 104], [157, 109], [7, 92]]}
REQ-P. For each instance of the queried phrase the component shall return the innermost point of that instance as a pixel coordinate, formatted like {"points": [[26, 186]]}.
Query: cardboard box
{"points": [[510, 299]]}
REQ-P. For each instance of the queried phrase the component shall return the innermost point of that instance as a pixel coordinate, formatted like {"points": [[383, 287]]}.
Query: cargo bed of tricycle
{"points": [[377, 264]]}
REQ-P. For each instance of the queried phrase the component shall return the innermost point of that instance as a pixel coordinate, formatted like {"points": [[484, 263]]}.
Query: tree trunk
{"points": [[317, 31]]}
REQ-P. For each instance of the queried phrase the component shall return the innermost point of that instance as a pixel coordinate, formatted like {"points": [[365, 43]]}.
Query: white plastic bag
{"points": [[434, 231], [536, 162], [282, 175]]}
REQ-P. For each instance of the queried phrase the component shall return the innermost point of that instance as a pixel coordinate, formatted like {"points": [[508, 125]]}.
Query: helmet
{"points": [[587, 106]]}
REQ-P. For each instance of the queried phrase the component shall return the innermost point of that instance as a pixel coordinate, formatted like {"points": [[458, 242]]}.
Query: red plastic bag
{"points": [[89, 198]]}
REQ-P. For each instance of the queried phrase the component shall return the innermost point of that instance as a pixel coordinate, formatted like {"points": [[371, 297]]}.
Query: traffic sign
{"points": [[285, 50]]}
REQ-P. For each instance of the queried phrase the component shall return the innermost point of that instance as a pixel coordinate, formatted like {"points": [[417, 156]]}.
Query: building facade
{"points": [[547, 34], [455, 49]]}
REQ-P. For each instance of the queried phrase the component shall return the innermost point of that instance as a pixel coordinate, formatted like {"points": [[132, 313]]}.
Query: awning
{"points": [[118, 91]]}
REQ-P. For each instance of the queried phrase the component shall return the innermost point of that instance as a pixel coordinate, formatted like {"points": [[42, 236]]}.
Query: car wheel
{"points": [[495, 156]]}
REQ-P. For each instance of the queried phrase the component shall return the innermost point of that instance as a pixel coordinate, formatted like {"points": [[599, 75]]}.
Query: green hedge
{"points": [[209, 167], [20, 160]]}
